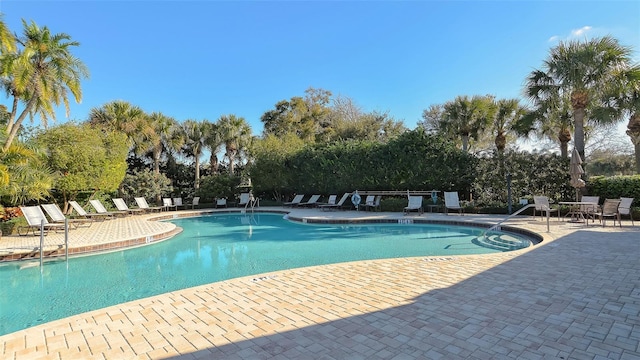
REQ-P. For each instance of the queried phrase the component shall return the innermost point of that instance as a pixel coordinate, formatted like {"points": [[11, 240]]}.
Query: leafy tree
{"points": [[268, 171], [40, 74], [305, 117], [218, 186], [145, 183], [83, 158], [552, 120], [579, 71], [23, 176]]}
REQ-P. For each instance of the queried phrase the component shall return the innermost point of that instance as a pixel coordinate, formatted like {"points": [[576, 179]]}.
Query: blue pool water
{"points": [[210, 249]]}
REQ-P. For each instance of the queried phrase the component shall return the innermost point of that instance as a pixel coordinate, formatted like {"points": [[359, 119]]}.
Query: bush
{"points": [[615, 187], [145, 183], [218, 186]]}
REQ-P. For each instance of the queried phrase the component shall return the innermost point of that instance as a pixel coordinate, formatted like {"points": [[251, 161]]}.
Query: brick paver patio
{"points": [[574, 296]]}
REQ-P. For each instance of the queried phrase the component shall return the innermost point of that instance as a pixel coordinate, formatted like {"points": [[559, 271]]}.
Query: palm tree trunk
{"points": [[564, 149], [156, 160], [197, 164], [633, 130], [578, 137], [13, 127], [465, 142]]}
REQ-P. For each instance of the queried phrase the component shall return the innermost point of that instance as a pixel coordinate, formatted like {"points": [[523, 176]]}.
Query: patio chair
{"points": [[57, 217], [100, 209], [35, 218], [625, 209], [221, 202], [337, 205], [143, 204], [542, 204], [368, 200], [373, 205], [295, 202], [168, 204], [609, 209], [194, 202], [177, 201], [452, 202], [93, 216], [313, 201], [122, 206], [589, 211], [415, 203]]}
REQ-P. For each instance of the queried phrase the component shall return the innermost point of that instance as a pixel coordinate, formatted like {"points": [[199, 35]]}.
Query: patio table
{"points": [[576, 210]]}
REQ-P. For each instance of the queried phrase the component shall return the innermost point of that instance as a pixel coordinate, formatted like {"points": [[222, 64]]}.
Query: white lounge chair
{"points": [[295, 202], [313, 201], [244, 199], [81, 212], [452, 202], [143, 204], [368, 200], [337, 205], [100, 209], [221, 202], [35, 218], [415, 203], [57, 217], [625, 209], [122, 206]]}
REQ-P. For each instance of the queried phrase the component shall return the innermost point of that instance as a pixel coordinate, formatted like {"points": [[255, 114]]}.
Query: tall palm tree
{"points": [[195, 136], [214, 143], [159, 132], [553, 120], [41, 75], [467, 117], [235, 133], [508, 112], [7, 40], [578, 70], [120, 116]]}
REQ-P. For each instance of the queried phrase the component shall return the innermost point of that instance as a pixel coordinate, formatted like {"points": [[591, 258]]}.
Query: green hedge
{"points": [[615, 187]]}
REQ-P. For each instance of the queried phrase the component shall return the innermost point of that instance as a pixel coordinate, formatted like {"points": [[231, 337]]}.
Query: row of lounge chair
{"points": [[372, 202], [36, 218]]}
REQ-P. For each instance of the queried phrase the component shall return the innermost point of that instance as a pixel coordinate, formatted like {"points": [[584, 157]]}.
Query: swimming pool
{"points": [[211, 248]]}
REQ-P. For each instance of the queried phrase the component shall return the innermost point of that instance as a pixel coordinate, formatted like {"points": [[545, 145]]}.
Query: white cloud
{"points": [[581, 31], [575, 33]]}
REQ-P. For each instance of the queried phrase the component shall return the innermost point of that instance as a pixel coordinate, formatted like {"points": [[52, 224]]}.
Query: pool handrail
{"points": [[497, 225]]}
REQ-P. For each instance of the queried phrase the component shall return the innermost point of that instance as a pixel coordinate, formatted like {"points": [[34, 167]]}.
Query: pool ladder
{"points": [[253, 202]]}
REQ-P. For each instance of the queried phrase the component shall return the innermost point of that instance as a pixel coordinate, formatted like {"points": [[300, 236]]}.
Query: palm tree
{"points": [[195, 136], [578, 70], [41, 75], [467, 117], [120, 116], [551, 120], [235, 133], [508, 112], [158, 132], [7, 40]]}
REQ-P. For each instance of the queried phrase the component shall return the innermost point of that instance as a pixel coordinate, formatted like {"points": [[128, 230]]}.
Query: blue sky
{"points": [[203, 59]]}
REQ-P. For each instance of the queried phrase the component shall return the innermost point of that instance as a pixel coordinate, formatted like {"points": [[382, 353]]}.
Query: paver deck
{"points": [[574, 296]]}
